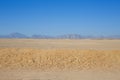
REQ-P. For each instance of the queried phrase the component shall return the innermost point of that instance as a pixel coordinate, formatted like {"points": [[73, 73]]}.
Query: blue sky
{"points": [[57, 17]]}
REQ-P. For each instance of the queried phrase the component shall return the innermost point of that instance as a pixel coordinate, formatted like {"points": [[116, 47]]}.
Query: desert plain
{"points": [[59, 59]]}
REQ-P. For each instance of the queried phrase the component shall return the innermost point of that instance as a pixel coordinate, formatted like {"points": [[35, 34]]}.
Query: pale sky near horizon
{"points": [[57, 17]]}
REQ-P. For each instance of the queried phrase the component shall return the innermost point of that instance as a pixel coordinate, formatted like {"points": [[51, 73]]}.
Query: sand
{"points": [[34, 59], [59, 75], [61, 43], [59, 59]]}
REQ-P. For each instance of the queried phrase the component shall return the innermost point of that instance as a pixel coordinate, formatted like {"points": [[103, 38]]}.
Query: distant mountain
{"points": [[17, 35], [41, 36], [114, 37], [14, 35], [70, 36], [66, 36]]}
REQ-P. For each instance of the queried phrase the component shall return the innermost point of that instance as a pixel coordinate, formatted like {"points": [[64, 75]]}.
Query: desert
{"points": [[59, 59]]}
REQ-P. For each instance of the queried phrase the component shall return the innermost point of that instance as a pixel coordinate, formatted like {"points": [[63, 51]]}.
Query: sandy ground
{"points": [[60, 43], [59, 75], [34, 59]]}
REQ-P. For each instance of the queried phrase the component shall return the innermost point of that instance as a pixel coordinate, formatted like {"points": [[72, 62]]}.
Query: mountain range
{"points": [[66, 36]]}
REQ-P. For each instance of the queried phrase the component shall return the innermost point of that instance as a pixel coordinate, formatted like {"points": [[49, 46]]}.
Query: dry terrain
{"points": [[61, 43], [42, 59]]}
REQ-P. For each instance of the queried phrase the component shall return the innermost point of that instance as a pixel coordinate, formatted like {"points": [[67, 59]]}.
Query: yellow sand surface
{"points": [[49, 59], [61, 43], [39, 59]]}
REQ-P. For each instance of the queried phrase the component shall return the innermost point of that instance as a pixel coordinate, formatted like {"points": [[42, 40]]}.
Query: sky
{"points": [[58, 17]]}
